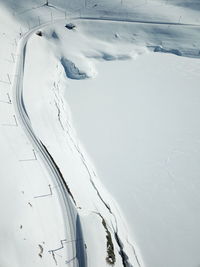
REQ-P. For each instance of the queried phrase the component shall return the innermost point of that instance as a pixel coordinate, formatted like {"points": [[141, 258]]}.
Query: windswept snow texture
{"points": [[187, 3], [170, 51]]}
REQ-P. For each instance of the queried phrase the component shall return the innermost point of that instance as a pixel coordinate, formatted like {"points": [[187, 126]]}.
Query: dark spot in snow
{"points": [[39, 33], [41, 251], [165, 50], [72, 72], [116, 35], [54, 35], [70, 26]]}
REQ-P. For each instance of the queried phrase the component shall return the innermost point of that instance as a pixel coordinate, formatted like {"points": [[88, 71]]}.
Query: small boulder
{"points": [[39, 33], [70, 26]]}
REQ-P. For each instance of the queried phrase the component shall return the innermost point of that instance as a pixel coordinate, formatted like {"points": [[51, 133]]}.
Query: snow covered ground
{"points": [[116, 104], [31, 216], [143, 135]]}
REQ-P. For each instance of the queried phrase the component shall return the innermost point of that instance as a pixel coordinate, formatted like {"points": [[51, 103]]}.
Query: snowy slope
{"points": [[149, 147], [120, 123], [32, 220]]}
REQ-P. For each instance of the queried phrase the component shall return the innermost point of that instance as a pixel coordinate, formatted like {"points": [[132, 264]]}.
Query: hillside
{"points": [[99, 105]]}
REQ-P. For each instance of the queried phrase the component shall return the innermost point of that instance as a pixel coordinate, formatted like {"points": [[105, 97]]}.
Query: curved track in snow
{"points": [[127, 20], [77, 252]]}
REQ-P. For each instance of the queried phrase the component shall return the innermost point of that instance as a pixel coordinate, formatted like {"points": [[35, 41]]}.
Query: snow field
{"points": [[97, 48]]}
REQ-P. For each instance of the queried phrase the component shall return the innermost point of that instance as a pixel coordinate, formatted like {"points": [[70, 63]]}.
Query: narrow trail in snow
{"points": [[70, 215], [114, 19]]}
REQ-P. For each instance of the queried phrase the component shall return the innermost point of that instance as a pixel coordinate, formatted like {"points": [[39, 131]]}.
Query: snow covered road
{"points": [[71, 217], [114, 19]]}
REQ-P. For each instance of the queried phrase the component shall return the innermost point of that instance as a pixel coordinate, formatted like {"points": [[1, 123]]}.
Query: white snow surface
{"points": [[120, 121], [143, 135]]}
